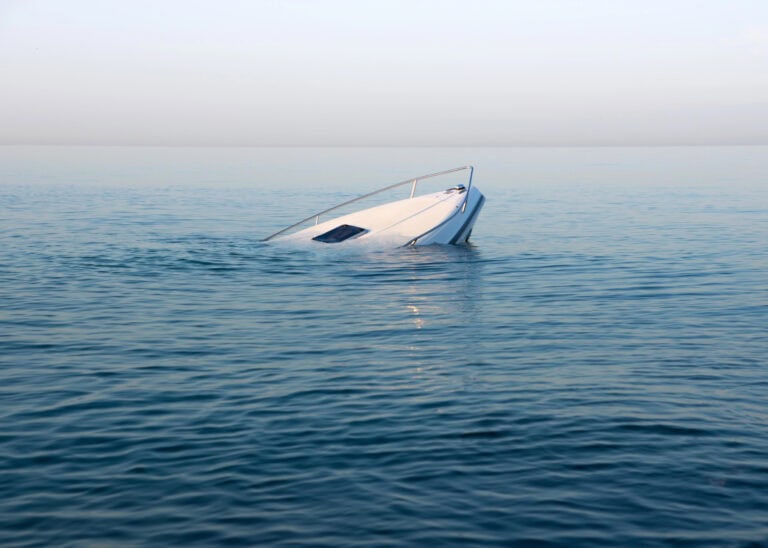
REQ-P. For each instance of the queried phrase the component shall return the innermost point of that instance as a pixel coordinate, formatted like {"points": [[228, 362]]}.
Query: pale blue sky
{"points": [[416, 72]]}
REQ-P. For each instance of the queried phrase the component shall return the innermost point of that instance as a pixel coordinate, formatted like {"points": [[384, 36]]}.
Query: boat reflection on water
{"points": [[403, 309], [434, 297]]}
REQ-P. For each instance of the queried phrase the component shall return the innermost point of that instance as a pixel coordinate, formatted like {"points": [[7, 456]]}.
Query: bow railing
{"points": [[413, 182]]}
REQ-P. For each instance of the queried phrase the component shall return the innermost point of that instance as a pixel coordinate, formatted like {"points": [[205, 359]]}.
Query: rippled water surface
{"points": [[591, 370]]}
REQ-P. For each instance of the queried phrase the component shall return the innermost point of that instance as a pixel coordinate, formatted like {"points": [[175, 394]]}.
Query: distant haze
{"points": [[416, 72]]}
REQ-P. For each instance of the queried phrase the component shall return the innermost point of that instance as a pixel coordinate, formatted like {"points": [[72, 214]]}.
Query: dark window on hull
{"points": [[339, 234]]}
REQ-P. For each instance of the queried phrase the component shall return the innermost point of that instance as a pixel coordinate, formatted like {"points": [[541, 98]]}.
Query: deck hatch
{"points": [[339, 234]]}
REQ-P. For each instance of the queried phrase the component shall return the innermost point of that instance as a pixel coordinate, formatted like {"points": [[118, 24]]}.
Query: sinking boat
{"points": [[444, 217]]}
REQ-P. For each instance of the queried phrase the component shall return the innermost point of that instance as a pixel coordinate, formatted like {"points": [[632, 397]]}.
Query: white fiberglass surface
{"points": [[403, 219]]}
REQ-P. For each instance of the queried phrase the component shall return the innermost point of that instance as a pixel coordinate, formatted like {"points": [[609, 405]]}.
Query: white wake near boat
{"points": [[444, 217]]}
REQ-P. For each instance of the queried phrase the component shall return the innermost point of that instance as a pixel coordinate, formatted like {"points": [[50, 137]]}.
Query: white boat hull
{"points": [[438, 218], [445, 217]]}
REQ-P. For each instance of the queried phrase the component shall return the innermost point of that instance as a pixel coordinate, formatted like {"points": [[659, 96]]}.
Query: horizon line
{"points": [[374, 145]]}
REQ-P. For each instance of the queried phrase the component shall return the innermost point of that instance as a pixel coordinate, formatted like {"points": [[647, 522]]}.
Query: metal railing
{"points": [[413, 182]]}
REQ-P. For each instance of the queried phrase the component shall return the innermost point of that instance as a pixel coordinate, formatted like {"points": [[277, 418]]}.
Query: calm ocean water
{"points": [[592, 370]]}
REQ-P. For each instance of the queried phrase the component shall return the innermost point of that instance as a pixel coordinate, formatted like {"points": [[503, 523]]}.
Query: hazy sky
{"points": [[415, 72]]}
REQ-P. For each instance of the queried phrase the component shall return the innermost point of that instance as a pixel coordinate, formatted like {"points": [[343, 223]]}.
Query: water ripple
{"points": [[176, 381]]}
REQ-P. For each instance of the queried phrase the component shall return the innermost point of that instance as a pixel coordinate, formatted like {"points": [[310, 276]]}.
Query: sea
{"points": [[590, 370]]}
